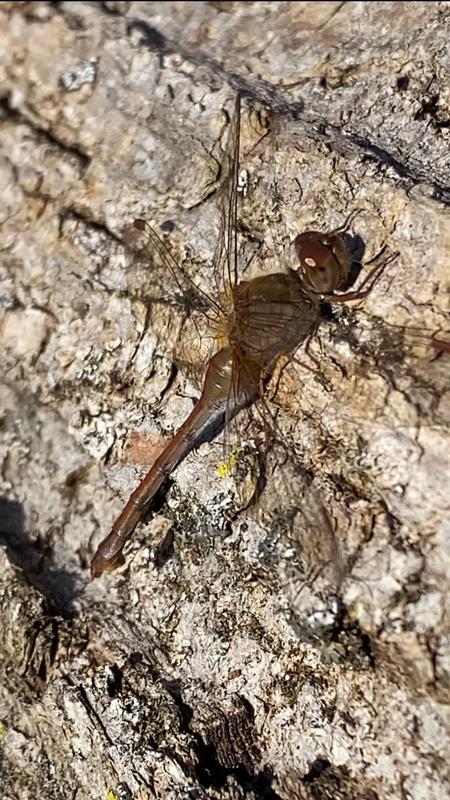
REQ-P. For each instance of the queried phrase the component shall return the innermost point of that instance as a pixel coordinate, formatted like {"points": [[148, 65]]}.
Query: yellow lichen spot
{"points": [[3, 730], [225, 468], [112, 795]]}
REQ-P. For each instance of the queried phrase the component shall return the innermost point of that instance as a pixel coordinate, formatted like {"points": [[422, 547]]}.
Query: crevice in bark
{"points": [[281, 105], [210, 772], [44, 134]]}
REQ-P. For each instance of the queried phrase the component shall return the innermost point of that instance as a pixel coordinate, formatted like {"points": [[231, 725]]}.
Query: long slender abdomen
{"points": [[217, 398]]}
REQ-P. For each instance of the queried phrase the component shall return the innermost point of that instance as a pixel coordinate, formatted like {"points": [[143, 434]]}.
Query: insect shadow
{"points": [[357, 248]]}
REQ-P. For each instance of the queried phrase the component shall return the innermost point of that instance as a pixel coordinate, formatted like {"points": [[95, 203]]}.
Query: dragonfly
{"points": [[261, 324]]}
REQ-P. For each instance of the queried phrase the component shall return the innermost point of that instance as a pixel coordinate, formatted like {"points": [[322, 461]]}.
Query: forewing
{"points": [[165, 285], [226, 268]]}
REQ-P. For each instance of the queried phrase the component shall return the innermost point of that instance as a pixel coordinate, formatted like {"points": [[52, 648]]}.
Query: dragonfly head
{"points": [[325, 260]]}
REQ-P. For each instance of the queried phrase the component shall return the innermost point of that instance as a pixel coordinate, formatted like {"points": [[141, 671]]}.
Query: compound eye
{"points": [[316, 260], [312, 250], [325, 260]]}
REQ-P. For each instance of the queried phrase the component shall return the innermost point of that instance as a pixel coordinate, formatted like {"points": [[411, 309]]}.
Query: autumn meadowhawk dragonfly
{"points": [[257, 324]]}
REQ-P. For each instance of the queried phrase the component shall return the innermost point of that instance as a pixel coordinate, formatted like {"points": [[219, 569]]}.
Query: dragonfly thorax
{"points": [[272, 315]]}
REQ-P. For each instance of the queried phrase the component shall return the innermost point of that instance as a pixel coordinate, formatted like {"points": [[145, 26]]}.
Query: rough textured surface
{"points": [[241, 653]]}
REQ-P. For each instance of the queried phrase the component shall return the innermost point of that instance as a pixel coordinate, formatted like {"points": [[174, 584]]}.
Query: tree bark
{"points": [[281, 632]]}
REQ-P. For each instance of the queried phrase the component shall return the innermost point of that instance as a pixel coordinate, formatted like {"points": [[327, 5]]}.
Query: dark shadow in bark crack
{"points": [[34, 559], [210, 770], [281, 104]]}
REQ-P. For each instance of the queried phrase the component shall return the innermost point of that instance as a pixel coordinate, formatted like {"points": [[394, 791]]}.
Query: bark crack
{"points": [[279, 103], [46, 135]]}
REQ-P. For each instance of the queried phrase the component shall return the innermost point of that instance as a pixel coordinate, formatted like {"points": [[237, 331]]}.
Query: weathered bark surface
{"points": [[228, 659]]}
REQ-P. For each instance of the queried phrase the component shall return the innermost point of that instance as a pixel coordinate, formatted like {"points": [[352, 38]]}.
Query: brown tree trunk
{"points": [[297, 647]]}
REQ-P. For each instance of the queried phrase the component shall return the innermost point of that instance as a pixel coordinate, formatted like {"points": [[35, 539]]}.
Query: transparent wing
{"points": [[150, 245], [226, 252]]}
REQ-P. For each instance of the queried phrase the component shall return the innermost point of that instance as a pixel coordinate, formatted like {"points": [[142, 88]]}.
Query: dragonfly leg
{"points": [[274, 383], [282, 363], [365, 287], [345, 226]]}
